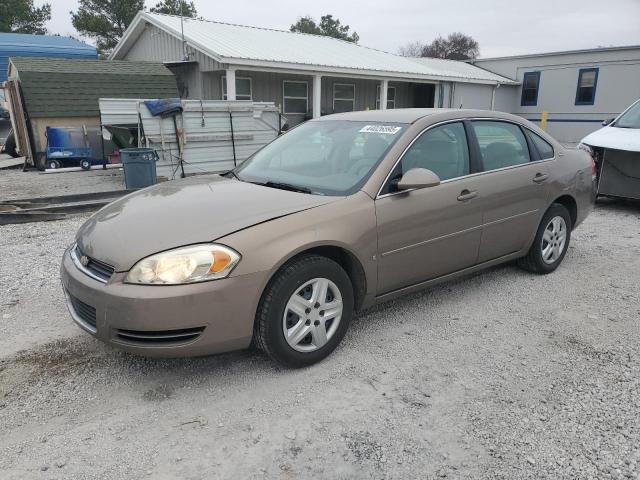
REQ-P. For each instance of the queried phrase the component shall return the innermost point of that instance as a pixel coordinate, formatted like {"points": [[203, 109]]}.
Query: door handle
{"points": [[540, 177], [467, 195]]}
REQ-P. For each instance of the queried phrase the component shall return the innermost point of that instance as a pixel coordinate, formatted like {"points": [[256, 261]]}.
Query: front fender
{"points": [[349, 224]]}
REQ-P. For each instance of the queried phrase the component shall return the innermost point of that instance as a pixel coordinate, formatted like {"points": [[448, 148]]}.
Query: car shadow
{"points": [[617, 204]]}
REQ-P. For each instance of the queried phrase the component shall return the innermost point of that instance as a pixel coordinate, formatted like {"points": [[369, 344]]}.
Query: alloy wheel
{"points": [[554, 240], [312, 315]]}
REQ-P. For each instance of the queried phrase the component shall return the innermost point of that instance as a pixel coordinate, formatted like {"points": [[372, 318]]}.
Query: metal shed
{"points": [[61, 92]]}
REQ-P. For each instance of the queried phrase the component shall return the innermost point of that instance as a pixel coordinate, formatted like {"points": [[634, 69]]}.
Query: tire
{"points": [[85, 164], [10, 145], [53, 164], [535, 260], [294, 283]]}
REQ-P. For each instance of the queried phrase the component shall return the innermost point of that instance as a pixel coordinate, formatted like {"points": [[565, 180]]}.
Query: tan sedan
{"points": [[336, 215]]}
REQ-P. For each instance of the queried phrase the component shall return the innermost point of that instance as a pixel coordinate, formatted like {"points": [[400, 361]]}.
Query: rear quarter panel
{"points": [[571, 175]]}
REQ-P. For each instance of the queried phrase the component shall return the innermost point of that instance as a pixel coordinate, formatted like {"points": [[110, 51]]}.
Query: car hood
{"points": [[613, 137], [183, 212]]}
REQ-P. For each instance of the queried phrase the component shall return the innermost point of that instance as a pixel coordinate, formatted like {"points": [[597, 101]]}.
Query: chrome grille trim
{"points": [[95, 269]]}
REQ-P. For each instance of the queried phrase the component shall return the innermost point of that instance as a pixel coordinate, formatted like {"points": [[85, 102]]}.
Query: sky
{"points": [[501, 27]]}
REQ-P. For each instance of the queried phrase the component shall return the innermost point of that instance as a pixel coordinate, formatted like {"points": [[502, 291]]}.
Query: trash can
{"points": [[139, 167]]}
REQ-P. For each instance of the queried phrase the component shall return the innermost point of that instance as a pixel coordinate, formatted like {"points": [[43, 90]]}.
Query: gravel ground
{"points": [[16, 184], [501, 375]]}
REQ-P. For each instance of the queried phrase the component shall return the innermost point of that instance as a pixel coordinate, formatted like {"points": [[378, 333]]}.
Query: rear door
{"points": [[513, 185]]}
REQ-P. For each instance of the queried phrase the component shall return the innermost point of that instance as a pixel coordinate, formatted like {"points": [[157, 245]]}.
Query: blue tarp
{"points": [[27, 45], [164, 107]]}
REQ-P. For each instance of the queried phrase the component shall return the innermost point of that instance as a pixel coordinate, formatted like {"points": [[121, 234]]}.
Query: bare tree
{"points": [[457, 46], [412, 49]]}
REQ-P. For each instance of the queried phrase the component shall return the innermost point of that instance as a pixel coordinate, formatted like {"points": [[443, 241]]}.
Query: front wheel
{"points": [[551, 242], [85, 164], [304, 312]]}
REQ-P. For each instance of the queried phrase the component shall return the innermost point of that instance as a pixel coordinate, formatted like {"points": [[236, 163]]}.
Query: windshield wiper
{"points": [[285, 186]]}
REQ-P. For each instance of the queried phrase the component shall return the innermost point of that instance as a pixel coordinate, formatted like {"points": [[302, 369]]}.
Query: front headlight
{"points": [[197, 263]]}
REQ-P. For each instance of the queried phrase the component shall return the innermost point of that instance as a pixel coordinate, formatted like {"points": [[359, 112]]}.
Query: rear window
{"points": [[502, 144], [544, 148]]}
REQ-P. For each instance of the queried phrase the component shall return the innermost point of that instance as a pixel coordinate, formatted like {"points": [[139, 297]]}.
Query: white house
{"points": [[307, 75]]}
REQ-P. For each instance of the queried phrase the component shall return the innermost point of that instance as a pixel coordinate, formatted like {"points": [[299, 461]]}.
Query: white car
{"points": [[616, 150]]}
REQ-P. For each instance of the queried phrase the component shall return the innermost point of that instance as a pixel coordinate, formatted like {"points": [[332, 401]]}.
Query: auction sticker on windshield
{"points": [[388, 129]]}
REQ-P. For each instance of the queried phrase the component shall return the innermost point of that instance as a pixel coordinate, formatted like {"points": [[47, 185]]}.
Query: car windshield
{"points": [[630, 118], [329, 157]]}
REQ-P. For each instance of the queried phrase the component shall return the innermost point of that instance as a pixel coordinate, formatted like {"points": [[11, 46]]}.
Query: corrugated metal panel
{"points": [[206, 126], [453, 68], [26, 45], [229, 43]]}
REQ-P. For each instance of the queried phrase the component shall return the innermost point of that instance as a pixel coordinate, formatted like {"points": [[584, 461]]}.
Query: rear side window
{"points": [[501, 144], [544, 148], [443, 150]]}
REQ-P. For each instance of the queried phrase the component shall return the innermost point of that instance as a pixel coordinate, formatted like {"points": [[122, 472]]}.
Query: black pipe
{"points": [[233, 140]]}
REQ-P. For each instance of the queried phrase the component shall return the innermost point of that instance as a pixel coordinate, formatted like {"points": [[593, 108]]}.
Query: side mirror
{"points": [[418, 178], [608, 121]]}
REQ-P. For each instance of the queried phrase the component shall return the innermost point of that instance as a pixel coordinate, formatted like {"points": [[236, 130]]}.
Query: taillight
{"points": [[594, 170]]}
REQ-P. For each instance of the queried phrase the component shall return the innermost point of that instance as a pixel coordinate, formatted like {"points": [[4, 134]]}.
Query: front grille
{"points": [[158, 337], [96, 268], [85, 312]]}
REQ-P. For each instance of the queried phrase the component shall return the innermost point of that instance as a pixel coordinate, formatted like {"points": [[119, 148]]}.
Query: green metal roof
{"points": [[55, 87]]}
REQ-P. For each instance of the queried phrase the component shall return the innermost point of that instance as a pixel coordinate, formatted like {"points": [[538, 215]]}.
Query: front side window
{"points": [[544, 148], [443, 150], [329, 157], [295, 96], [630, 118], [344, 97], [243, 88], [502, 144], [391, 98], [587, 82], [530, 85]]}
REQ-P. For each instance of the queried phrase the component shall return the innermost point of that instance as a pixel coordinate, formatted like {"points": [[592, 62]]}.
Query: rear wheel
{"points": [[85, 164], [53, 164], [304, 312], [551, 242]]}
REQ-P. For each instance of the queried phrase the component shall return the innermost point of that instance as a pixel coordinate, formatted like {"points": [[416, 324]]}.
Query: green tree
{"points": [[176, 7], [21, 16], [457, 46], [329, 27], [105, 20]]}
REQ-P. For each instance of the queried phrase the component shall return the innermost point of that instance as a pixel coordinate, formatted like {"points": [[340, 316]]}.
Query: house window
{"points": [[243, 88], [587, 82], [295, 95], [344, 97], [530, 85], [391, 97]]}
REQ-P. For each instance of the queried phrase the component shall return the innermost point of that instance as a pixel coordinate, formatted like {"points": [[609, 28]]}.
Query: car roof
{"points": [[411, 115]]}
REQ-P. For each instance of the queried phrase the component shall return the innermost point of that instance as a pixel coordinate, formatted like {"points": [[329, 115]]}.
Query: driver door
{"points": [[430, 232]]}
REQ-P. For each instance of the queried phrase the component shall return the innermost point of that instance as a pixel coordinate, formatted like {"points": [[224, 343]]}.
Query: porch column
{"points": [[231, 84], [384, 87], [317, 97]]}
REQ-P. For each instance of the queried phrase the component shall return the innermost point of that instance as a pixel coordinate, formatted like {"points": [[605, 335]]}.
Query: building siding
{"points": [[617, 87]]}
